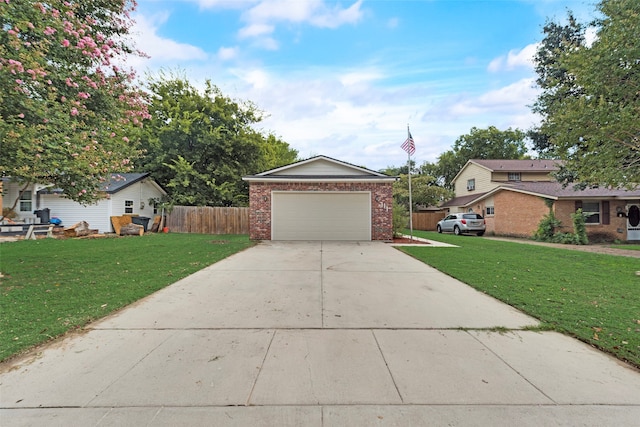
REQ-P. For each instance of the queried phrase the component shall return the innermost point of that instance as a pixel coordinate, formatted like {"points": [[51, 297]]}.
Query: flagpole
{"points": [[410, 200]]}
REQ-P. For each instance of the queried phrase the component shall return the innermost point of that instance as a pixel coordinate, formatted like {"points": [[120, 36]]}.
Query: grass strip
{"points": [[628, 247], [593, 297], [50, 286]]}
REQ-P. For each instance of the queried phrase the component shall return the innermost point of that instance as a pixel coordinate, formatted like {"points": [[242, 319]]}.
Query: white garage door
{"points": [[321, 216]]}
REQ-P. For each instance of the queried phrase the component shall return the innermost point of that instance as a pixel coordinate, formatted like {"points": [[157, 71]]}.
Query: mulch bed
{"points": [[397, 240]]}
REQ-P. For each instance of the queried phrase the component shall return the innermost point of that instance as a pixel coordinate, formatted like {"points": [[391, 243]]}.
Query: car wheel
{"points": [[481, 233], [456, 230], [438, 229]]}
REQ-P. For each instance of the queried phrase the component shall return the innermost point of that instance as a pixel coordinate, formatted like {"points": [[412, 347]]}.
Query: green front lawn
{"points": [[53, 286], [593, 297], [629, 247]]}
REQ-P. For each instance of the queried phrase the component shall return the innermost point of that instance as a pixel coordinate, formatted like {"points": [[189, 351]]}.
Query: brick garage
{"points": [[320, 199]]}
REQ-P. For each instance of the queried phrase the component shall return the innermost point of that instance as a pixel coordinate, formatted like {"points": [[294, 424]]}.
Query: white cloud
{"points": [[254, 78], [223, 4], [337, 17], [511, 95], [590, 35], [514, 59], [393, 23], [262, 17], [505, 107], [161, 49], [359, 77], [227, 53], [255, 30]]}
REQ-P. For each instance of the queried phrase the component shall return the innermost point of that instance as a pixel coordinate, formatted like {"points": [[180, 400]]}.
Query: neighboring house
{"points": [[125, 193], [320, 199], [512, 195]]}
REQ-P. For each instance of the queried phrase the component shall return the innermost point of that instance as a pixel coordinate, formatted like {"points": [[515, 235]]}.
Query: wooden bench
{"points": [[39, 228]]}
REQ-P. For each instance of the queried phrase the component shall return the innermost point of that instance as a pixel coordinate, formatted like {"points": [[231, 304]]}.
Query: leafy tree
{"points": [[597, 131], [198, 145], [490, 143], [424, 191], [400, 170], [555, 80], [69, 116]]}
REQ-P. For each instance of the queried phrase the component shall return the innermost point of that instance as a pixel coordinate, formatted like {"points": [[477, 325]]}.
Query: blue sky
{"points": [[344, 78]]}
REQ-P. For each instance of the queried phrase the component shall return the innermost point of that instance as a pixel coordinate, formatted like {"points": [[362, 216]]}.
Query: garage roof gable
{"points": [[320, 168]]}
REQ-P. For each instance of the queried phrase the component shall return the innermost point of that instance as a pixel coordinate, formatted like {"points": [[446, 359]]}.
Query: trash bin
{"points": [[141, 220], [43, 214]]}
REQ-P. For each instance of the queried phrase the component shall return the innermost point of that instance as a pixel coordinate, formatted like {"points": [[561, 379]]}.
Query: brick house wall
{"points": [[616, 229], [518, 214], [260, 204]]}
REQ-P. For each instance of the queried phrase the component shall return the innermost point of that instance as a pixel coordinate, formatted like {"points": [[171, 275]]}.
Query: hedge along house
{"points": [[320, 199]]}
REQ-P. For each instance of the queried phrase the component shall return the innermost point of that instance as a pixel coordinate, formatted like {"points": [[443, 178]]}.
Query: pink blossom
{"points": [[19, 81], [113, 134], [65, 43], [21, 115], [49, 31], [74, 111], [83, 95], [125, 139]]}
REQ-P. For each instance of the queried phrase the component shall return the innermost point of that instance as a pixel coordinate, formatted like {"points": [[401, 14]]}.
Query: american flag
{"points": [[409, 146]]}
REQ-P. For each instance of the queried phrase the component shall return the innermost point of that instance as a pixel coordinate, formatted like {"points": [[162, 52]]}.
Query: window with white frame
{"points": [[490, 210], [514, 176], [591, 210], [471, 184], [128, 206], [25, 202]]}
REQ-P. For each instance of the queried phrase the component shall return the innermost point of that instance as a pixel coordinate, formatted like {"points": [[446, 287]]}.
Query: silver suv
{"points": [[460, 223]]}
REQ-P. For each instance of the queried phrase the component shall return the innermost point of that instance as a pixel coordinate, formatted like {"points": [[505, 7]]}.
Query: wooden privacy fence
{"points": [[208, 220], [426, 220]]}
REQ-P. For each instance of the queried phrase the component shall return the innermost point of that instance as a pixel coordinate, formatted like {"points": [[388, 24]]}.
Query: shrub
{"points": [[579, 227], [547, 227], [400, 219]]}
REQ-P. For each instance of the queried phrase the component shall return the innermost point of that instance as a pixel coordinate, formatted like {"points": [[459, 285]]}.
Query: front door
{"points": [[633, 222]]}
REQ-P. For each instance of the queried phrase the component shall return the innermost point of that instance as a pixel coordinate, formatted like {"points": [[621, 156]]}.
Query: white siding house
{"points": [[130, 195]]}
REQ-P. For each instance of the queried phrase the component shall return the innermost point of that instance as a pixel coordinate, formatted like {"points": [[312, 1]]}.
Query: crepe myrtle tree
{"points": [[69, 114]]}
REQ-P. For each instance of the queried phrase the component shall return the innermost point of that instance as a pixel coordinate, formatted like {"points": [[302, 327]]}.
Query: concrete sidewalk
{"points": [[318, 334]]}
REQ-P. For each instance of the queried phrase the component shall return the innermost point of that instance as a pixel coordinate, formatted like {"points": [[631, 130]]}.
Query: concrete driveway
{"points": [[318, 334]]}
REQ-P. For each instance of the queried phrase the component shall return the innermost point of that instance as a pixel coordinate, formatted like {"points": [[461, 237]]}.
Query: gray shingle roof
{"points": [[506, 165], [119, 181], [555, 189], [462, 200]]}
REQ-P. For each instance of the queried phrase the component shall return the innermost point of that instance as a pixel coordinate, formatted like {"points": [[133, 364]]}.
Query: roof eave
{"points": [[356, 178]]}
